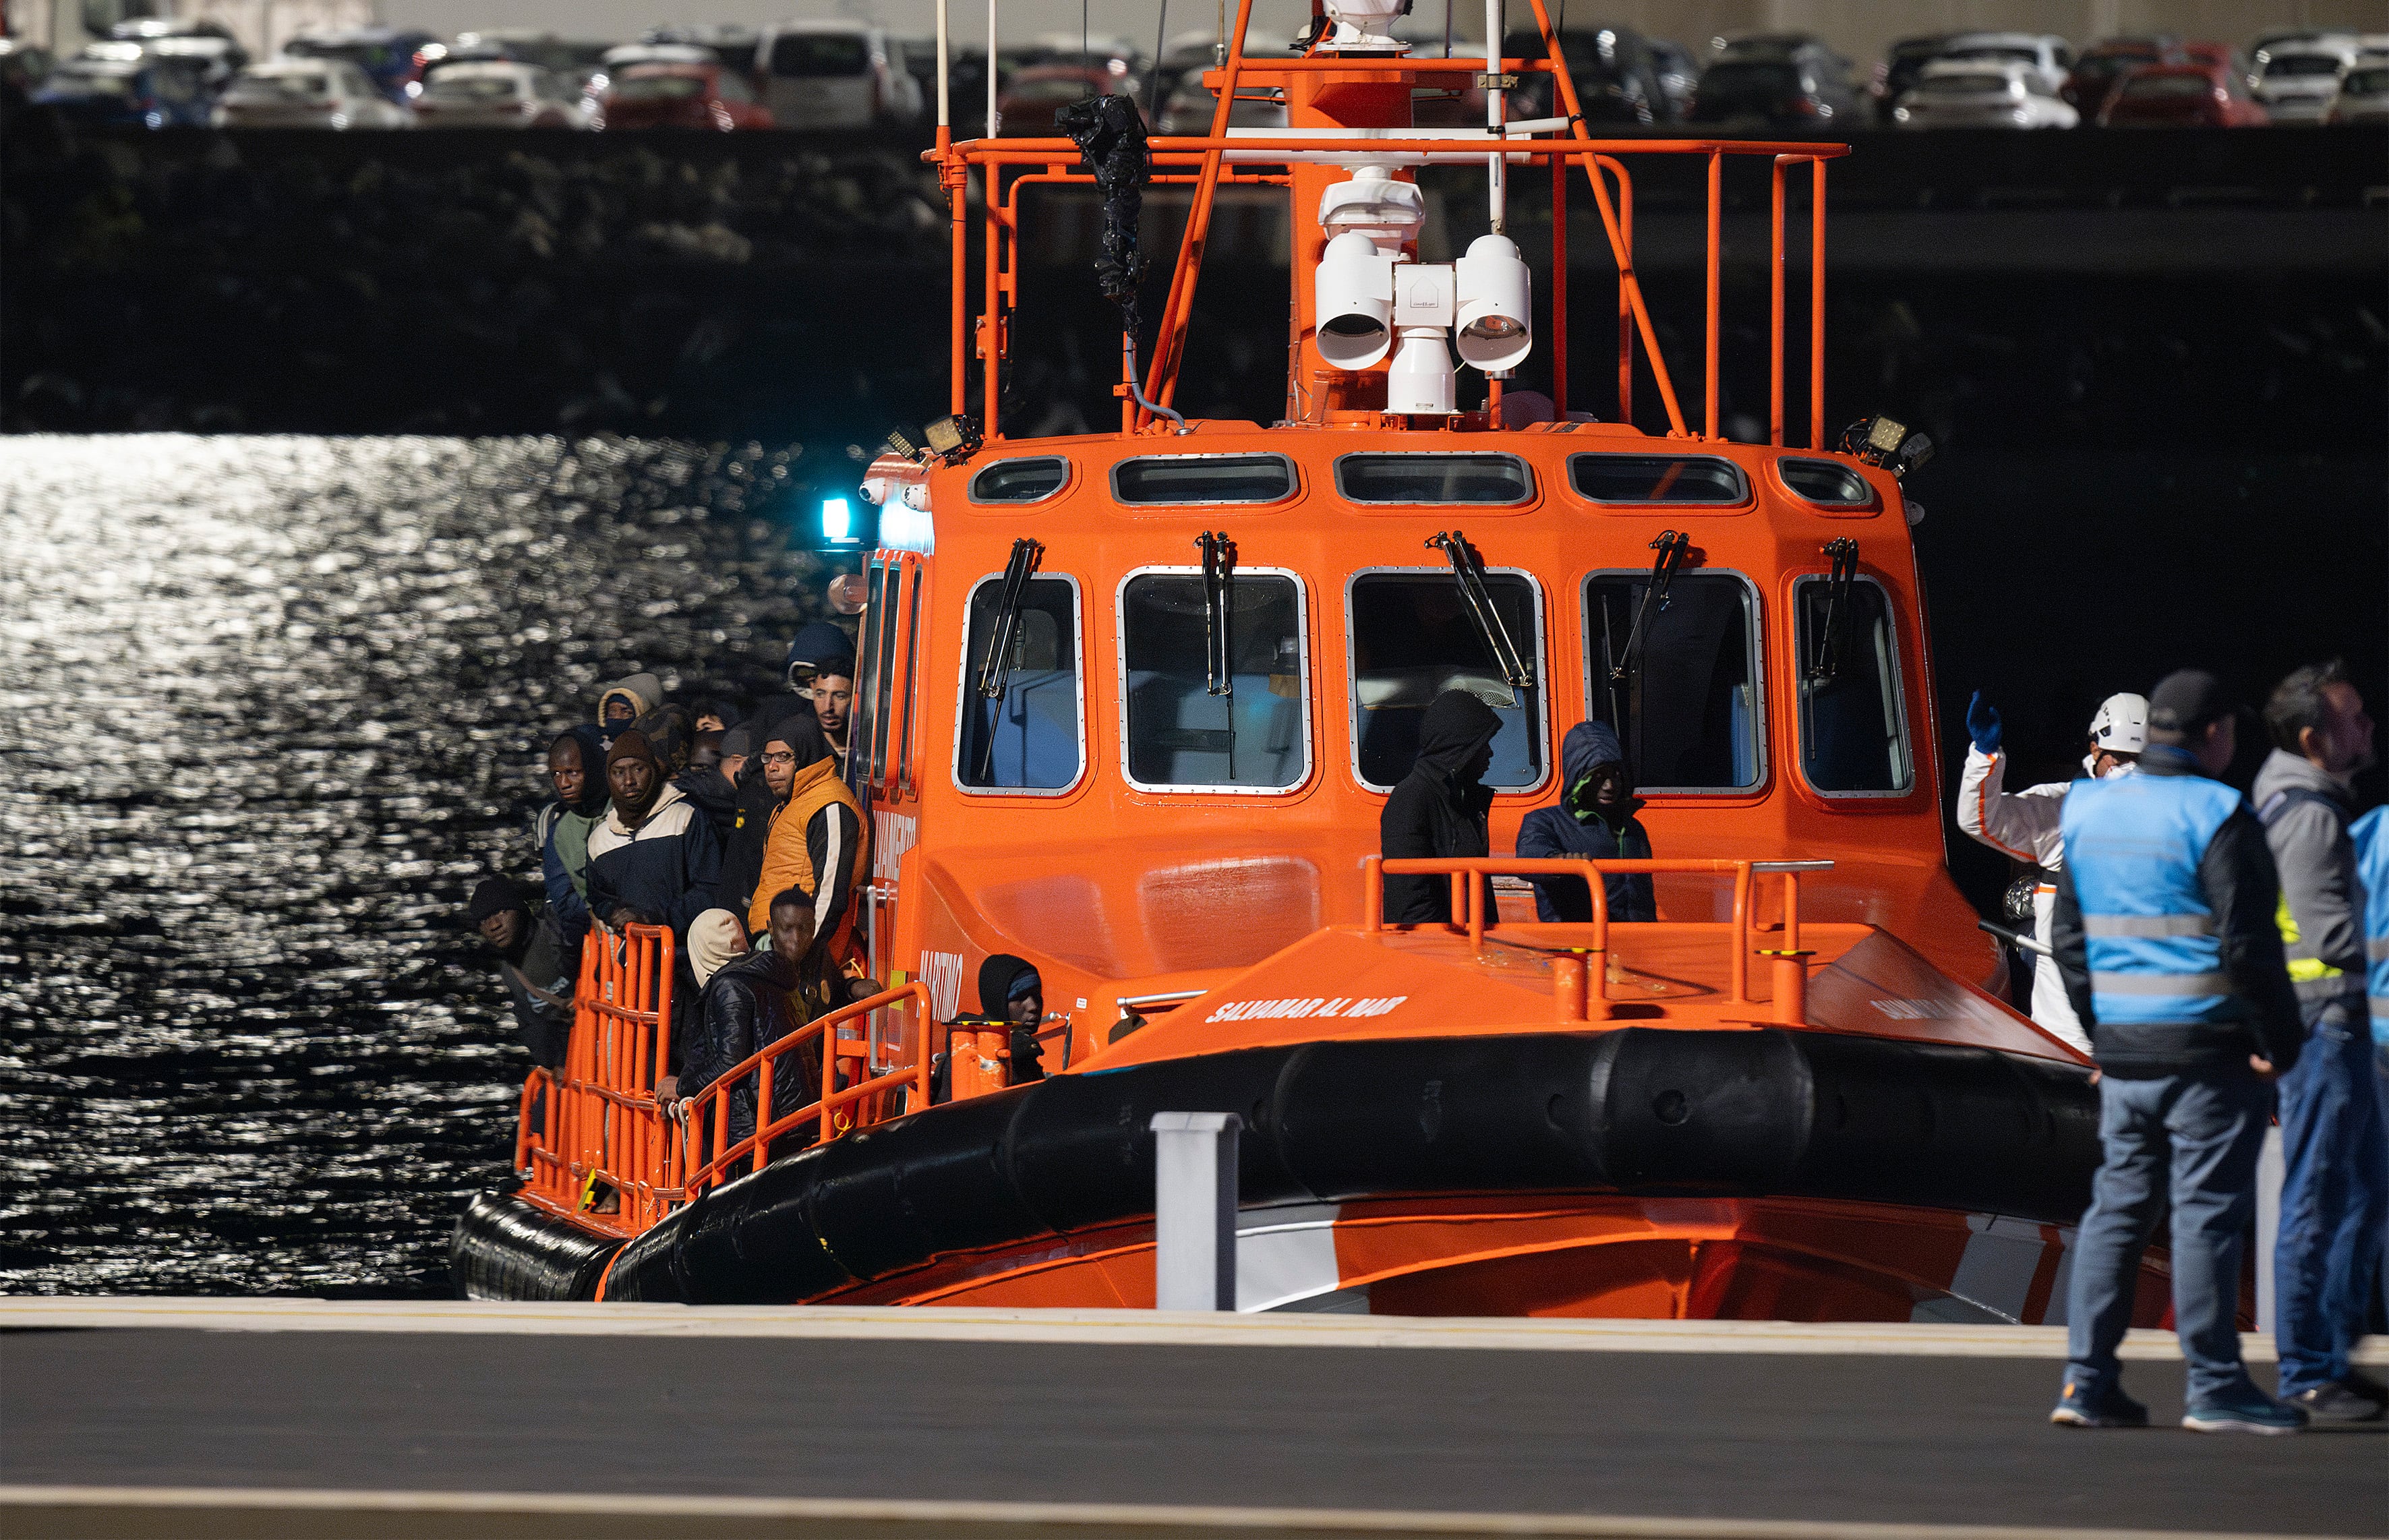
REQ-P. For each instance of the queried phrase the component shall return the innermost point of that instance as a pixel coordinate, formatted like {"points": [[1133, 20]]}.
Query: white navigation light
{"points": [[837, 520], [1421, 379], [1354, 293], [1373, 203], [1495, 305]]}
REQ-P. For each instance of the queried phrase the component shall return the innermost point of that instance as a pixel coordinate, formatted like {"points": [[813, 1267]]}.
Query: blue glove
{"points": [[1983, 724]]}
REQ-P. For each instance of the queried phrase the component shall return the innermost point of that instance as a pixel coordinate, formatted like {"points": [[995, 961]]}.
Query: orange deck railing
{"points": [[1200, 162], [593, 1141], [1581, 975]]}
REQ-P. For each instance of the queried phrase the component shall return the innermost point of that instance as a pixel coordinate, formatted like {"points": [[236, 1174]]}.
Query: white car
{"points": [[496, 94], [1956, 93], [306, 92], [834, 74], [2045, 54], [2363, 97], [2296, 80]]}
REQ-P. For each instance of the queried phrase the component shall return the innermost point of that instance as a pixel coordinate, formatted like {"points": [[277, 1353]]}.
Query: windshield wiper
{"points": [[1672, 548], [995, 669], [1218, 576], [1844, 553], [1468, 571]]}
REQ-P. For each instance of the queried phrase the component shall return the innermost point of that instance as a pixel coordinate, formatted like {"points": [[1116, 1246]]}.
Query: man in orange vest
{"points": [[818, 844]]}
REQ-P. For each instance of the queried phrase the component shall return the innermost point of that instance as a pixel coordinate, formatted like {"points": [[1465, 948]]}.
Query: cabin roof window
{"points": [[1430, 478], [1253, 736], [1684, 696], [1674, 479], [1030, 738], [1827, 483], [1029, 480], [1413, 636], [1186, 479], [1853, 724]]}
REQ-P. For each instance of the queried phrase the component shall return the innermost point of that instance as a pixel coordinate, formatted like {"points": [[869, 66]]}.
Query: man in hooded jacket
{"points": [[1439, 809], [1595, 819], [622, 703], [819, 842]]}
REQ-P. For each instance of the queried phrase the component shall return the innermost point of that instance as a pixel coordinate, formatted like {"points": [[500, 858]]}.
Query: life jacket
{"points": [[817, 785], [2134, 844], [2371, 833]]}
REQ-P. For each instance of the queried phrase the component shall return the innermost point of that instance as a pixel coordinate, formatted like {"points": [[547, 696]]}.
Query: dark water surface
{"points": [[267, 707]]}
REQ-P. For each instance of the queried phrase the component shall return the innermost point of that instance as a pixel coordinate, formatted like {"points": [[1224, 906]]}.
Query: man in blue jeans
{"points": [[2332, 1192], [2163, 931]]}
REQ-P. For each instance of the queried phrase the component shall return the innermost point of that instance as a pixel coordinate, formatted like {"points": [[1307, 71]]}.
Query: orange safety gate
{"points": [[593, 1141]]}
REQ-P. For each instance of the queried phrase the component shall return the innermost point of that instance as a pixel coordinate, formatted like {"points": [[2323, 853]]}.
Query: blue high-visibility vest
{"points": [[2133, 843], [2371, 833]]}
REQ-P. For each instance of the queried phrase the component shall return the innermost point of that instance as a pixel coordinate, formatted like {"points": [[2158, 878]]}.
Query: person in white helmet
{"points": [[2022, 825]]}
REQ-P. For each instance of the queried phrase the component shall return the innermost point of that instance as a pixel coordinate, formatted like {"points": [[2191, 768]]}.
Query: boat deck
{"points": [[647, 1419]]}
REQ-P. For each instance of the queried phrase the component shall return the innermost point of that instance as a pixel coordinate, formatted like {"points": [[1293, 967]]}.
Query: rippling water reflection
{"points": [[267, 706]]}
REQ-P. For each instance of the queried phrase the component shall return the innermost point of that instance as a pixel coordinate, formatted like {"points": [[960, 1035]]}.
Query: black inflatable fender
{"points": [[503, 1248]]}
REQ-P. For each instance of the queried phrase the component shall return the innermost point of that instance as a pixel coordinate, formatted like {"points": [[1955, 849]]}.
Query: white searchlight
{"points": [[1495, 305], [1365, 23], [1421, 380], [1354, 293]]}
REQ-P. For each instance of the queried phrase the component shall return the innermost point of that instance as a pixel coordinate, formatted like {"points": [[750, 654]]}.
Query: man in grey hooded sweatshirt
{"points": [[2332, 1190]]}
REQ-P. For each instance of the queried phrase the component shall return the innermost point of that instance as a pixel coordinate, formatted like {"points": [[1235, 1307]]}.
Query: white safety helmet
{"points": [[2122, 724]]}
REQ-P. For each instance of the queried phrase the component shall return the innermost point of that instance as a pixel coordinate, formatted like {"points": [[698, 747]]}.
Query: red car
{"points": [[2183, 95], [2103, 66], [681, 95]]}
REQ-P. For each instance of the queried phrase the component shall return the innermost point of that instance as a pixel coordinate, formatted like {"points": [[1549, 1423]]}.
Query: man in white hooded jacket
{"points": [[2023, 825]]}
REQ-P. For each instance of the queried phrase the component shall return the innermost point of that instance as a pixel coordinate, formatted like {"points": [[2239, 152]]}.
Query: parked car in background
{"points": [[126, 87], [734, 46], [834, 73], [217, 39], [2298, 81], [1902, 66], [392, 58], [1026, 108], [307, 92], [1780, 82], [1983, 93], [23, 67], [1615, 75], [2182, 96], [681, 95], [2363, 97], [2104, 65], [1678, 75], [571, 60], [2045, 54], [498, 94]]}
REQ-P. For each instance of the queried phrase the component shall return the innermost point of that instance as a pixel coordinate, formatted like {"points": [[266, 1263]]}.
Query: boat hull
{"points": [[1640, 1171]]}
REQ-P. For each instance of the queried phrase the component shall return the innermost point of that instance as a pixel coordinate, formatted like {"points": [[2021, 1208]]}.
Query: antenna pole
{"points": [[990, 85], [945, 114], [1496, 165]]}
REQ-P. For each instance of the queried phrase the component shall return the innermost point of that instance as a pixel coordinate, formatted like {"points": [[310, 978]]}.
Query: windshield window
{"points": [[2157, 87], [1965, 86], [91, 83], [1656, 478], [471, 88], [1853, 734], [255, 86], [658, 88], [1826, 482], [1180, 736], [1413, 637], [1030, 740], [802, 55], [1019, 480], [2367, 82], [2300, 64], [1492, 478], [1204, 478], [1687, 705], [1995, 56]]}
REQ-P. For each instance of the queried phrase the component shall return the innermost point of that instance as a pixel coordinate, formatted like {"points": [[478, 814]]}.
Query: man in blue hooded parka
{"points": [[1595, 818]]}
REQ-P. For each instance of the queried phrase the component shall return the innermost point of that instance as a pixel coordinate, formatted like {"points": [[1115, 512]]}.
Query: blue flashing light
{"points": [[837, 520]]}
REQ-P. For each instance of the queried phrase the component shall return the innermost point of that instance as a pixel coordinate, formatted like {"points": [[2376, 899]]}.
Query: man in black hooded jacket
{"points": [[1439, 809]]}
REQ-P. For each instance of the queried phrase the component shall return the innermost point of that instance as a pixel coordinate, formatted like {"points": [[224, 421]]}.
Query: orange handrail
{"points": [[1790, 972], [756, 1147]]}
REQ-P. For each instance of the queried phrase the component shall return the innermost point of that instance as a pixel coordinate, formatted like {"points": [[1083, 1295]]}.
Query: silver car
{"points": [[306, 92], [1958, 94], [2298, 81], [495, 94], [828, 74]]}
